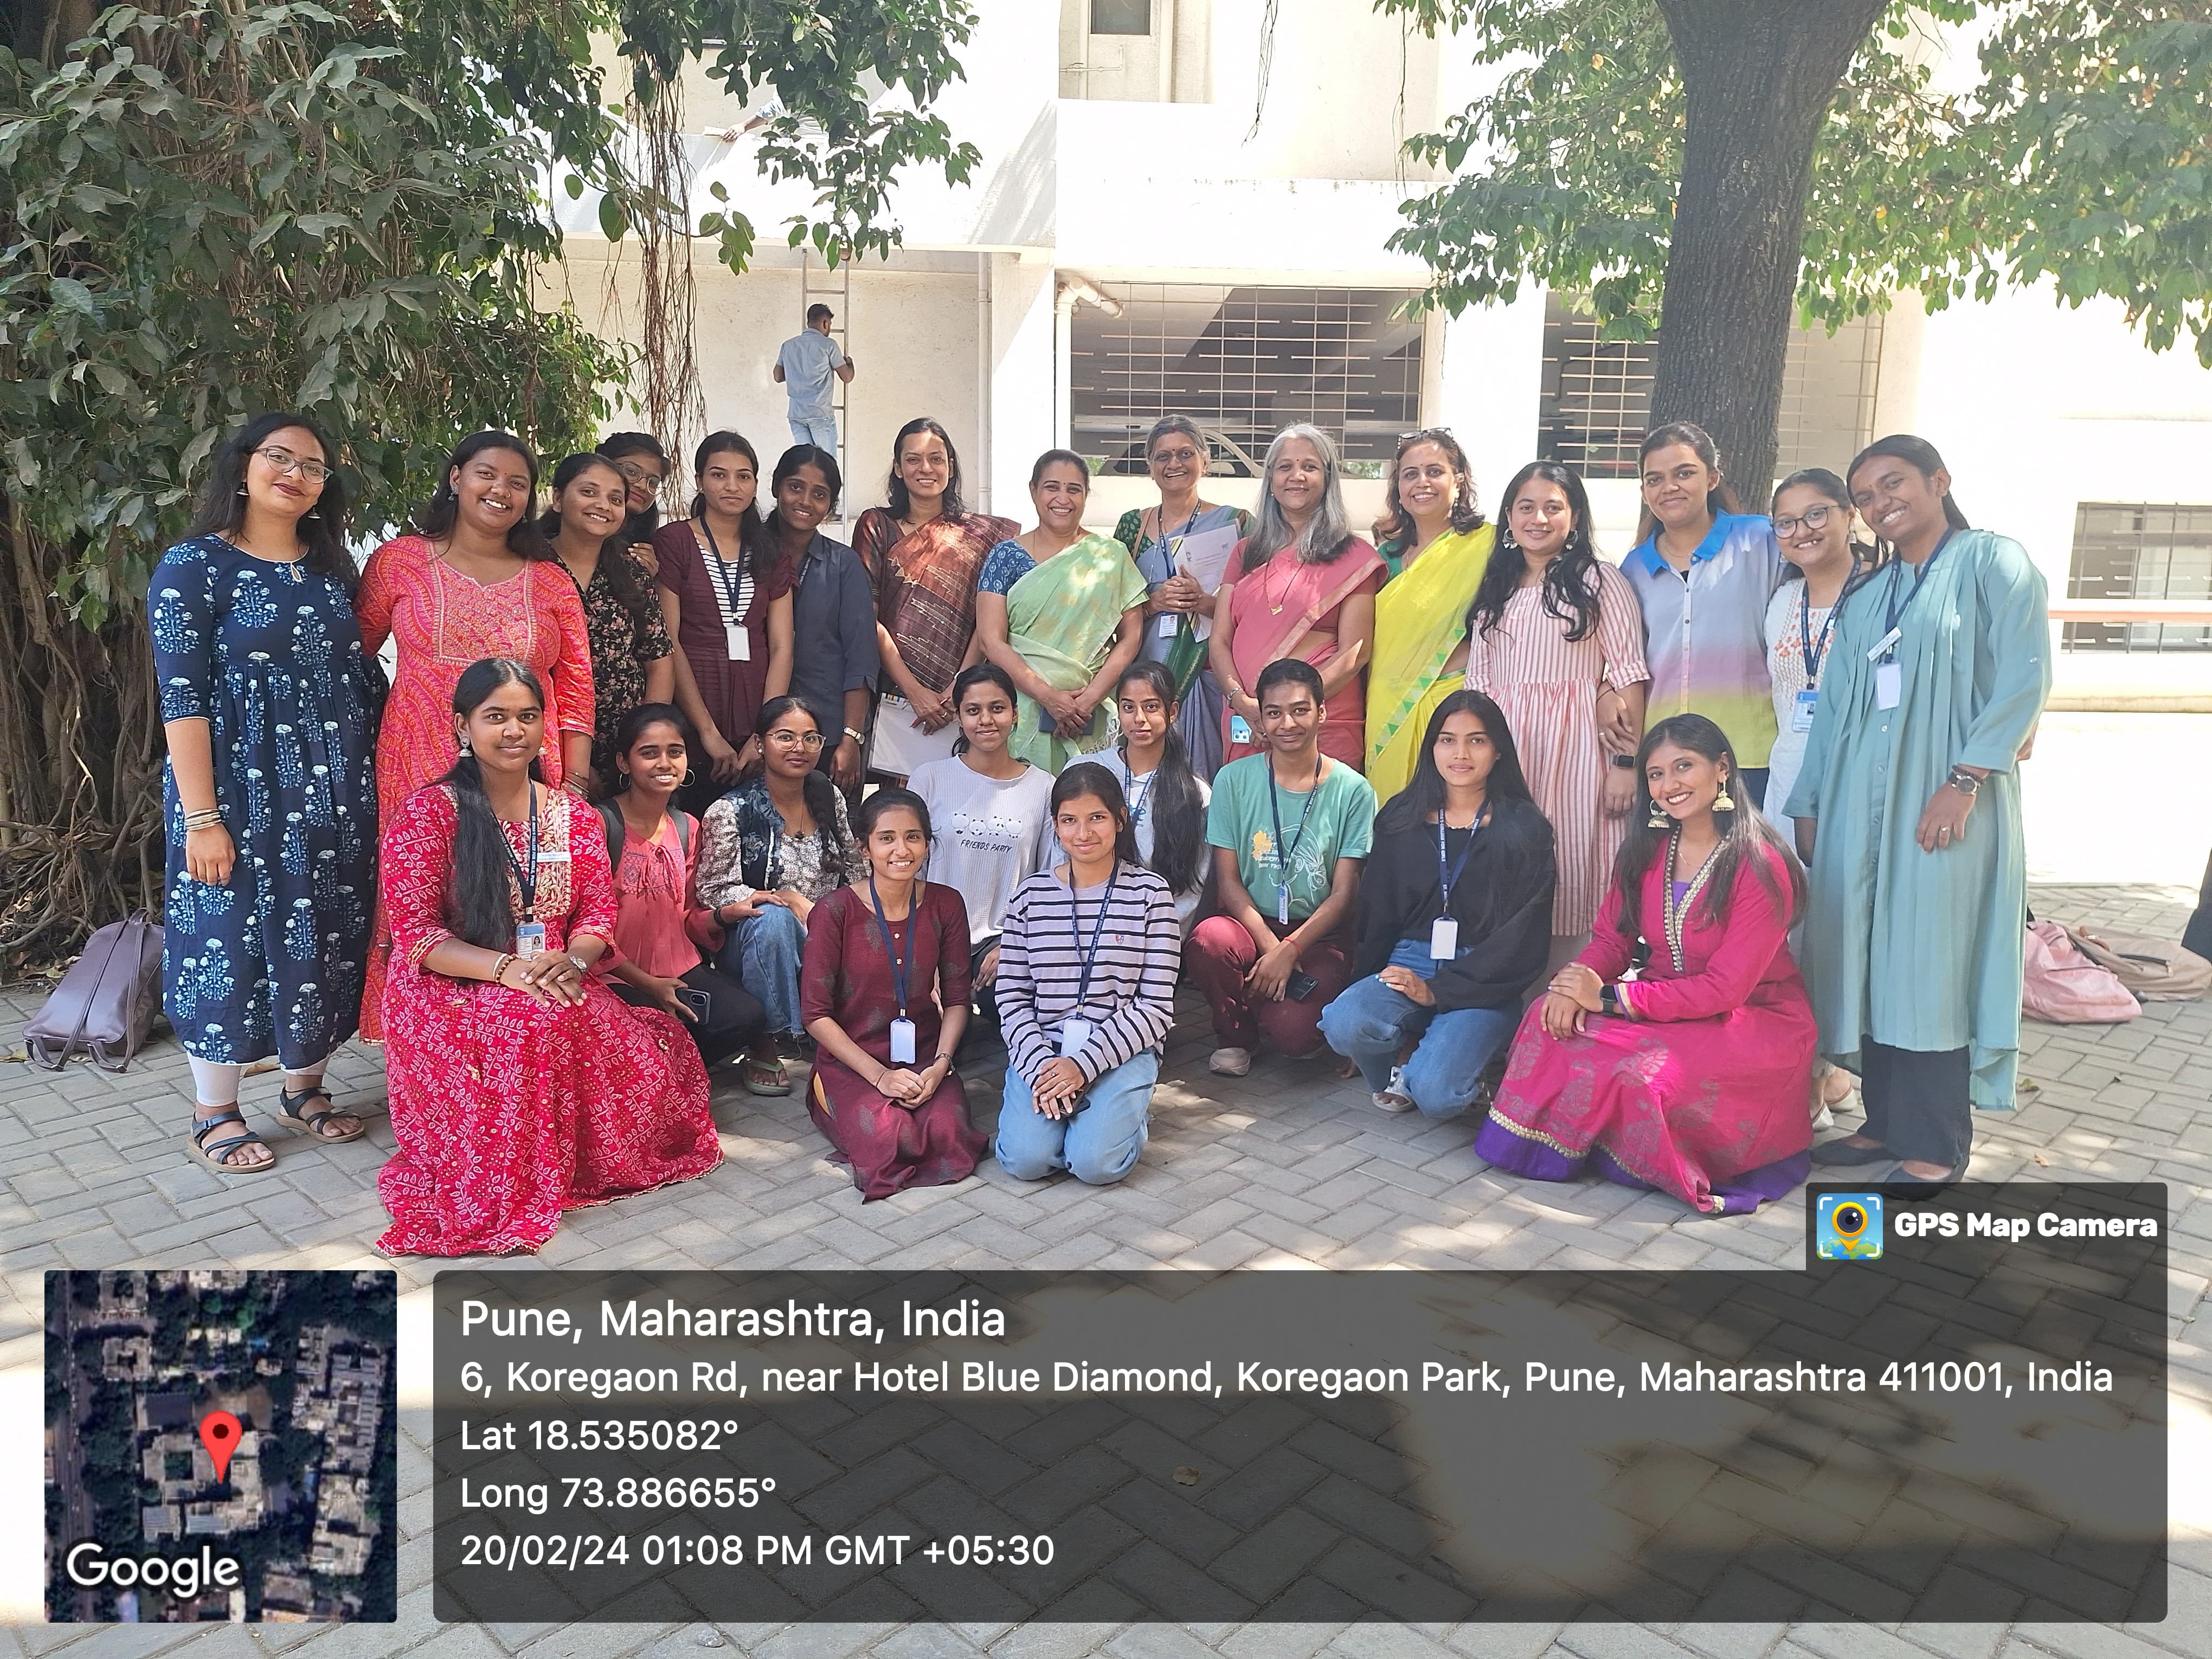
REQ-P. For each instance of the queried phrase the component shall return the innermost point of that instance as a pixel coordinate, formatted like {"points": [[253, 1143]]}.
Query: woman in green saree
{"points": [[1061, 609], [1437, 546]]}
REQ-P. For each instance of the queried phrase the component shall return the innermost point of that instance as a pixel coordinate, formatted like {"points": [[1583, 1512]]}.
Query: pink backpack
{"points": [[2064, 986]]}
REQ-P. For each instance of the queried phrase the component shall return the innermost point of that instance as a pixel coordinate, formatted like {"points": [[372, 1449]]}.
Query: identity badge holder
{"points": [[1801, 712], [1240, 729], [530, 940], [738, 640], [1074, 1034], [902, 1049], [1444, 939]]}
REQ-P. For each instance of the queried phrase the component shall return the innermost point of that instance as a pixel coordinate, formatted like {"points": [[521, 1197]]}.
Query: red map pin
{"points": [[219, 1432]]}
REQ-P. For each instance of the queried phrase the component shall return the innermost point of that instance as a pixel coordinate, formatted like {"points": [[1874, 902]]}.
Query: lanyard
{"points": [[901, 971], [727, 577], [526, 879], [1449, 879], [1167, 543], [1137, 795], [1895, 610], [1283, 854], [1075, 929], [1815, 653]]}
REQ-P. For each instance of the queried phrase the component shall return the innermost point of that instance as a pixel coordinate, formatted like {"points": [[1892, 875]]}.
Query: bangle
{"points": [[207, 817], [507, 960]]}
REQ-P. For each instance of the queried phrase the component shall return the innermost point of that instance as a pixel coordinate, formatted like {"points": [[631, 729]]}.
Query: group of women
{"points": [[607, 826]]}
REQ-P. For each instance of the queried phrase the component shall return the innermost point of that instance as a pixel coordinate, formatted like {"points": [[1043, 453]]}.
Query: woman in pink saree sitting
{"points": [[1691, 1078], [1301, 585]]}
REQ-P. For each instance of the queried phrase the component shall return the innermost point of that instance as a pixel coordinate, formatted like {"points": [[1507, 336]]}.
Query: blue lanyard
{"points": [[1075, 929], [727, 577], [1895, 610], [902, 972], [1137, 796], [526, 879], [1815, 653], [1449, 879], [1283, 853]]}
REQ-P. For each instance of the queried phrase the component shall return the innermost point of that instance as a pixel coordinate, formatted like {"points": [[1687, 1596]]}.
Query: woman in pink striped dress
{"points": [[1555, 636]]}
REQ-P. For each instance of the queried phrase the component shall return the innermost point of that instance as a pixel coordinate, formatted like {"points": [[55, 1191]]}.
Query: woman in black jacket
{"points": [[1455, 917]]}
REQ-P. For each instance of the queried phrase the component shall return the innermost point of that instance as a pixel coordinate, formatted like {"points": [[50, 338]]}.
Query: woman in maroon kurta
{"points": [[1692, 1077], [884, 994]]}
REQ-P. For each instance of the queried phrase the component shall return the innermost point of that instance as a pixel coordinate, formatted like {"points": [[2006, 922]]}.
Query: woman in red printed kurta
{"points": [[479, 581], [1691, 1078], [522, 1086]]}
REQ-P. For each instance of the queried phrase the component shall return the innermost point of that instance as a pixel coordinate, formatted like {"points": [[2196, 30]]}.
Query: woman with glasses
{"points": [[771, 849], [1436, 545], [476, 579], [270, 804], [643, 463], [1302, 586], [1177, 546], [1812, 521]]}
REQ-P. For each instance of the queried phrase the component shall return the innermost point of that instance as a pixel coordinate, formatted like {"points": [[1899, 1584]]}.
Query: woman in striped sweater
{"points": [[1087, 970]]}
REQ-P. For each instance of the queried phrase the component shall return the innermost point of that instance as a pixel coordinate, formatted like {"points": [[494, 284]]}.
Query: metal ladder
{"points": [[820, 285]]}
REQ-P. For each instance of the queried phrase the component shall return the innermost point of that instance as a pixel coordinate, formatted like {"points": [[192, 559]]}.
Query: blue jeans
{"points": [[1098, 1145], [1370, 1022], [820, 430], [762, 953]]}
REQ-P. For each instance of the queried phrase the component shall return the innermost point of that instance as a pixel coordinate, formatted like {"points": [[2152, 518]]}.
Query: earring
{"points": [[241, 492], [1721, 802], [1658, 818], [464, 742]]}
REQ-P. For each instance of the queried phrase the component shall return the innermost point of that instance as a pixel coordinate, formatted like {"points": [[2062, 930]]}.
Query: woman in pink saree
{"points": [[1691, 1078], [1301, 585]]}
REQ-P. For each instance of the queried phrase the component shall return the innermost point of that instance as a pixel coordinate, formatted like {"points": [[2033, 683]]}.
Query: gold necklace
{"points": [[1275, 606]]}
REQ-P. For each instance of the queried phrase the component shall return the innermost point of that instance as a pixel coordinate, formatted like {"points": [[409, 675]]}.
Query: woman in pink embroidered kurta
{"points": [[1691, 1077], [522, 1086], [480, 581]]}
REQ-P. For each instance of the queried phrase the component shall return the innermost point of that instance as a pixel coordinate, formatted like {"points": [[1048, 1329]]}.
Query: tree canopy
{"points": [[219, 206], [2081, 153]]}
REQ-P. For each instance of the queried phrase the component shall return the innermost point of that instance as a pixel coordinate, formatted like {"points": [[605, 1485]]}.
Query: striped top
{"points": [[1131, 998], [1704, 630]]}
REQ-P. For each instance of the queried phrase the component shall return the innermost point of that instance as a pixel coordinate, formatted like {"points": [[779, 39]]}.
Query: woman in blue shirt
{"points": [[1703, 573]]}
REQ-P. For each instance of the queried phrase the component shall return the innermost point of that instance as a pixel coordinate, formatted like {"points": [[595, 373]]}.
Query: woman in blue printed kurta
{"points": [[1908, 809], [270, 802]]}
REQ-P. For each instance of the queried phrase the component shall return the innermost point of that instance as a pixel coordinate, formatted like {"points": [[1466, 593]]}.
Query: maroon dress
{"points": [[732, 691], [848, 978]]}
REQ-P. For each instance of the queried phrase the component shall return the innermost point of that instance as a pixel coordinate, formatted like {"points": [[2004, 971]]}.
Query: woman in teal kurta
{"points": [[1910, 805]]}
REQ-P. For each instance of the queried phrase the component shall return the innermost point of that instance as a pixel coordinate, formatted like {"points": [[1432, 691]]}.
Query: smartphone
{"points": [[697, 1002], [1300, 985]]}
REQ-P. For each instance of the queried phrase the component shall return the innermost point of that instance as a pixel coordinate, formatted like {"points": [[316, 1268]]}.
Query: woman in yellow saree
{"points": [[1437, 546], [1061, 609]]}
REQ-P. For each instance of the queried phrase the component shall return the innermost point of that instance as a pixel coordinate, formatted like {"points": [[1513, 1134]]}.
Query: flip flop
{"points": [[311, 1123], [196, 1143]]}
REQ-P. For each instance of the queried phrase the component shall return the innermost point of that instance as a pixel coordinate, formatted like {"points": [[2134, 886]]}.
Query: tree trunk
{"points": [[1758, 77]]}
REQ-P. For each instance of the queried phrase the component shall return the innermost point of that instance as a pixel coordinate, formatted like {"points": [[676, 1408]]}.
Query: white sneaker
{"points": [[1229, 1062], [1393, 1097]]}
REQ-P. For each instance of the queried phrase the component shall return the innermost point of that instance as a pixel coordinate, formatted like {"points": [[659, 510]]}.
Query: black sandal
{"points": [[214, 1157], [290, 1114]]}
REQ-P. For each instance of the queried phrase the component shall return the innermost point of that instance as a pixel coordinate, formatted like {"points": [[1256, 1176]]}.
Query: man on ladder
{"points": [[808, 367]]}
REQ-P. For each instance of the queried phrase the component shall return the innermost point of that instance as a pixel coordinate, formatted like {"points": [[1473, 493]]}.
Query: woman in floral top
{"points": [[631, 662], [771, 849]]}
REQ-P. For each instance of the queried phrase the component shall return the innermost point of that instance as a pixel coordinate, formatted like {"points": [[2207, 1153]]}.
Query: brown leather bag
{"points": [[2154, 969], [105, 1003]]}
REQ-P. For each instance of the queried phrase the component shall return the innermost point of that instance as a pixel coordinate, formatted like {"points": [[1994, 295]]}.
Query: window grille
{"points": [[1121, 16], [2136, 550], [1244, 362]]}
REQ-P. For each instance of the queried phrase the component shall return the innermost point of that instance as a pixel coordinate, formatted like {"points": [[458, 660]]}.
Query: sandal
{"points": [[765, 1077], [291, 1115], [214, 1157]]}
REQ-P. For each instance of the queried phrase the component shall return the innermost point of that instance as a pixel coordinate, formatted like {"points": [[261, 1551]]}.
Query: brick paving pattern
{"points": [[1288, 1167]]}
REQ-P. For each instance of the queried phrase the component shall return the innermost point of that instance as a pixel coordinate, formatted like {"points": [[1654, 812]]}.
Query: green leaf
{"points": [[70, 294]]}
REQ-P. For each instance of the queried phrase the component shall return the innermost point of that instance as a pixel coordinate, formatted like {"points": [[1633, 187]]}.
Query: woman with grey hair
{"points": [[1168, 542], [1301, 585]]}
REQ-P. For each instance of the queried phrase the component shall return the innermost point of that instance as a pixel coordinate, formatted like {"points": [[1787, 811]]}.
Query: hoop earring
{"points": [[1658, 818]]}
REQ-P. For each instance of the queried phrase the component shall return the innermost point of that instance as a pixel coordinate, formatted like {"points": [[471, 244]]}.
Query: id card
{"points": [[1282, 907], [1888, 684], [1444, 939], [1240, 729], [901, 1042], [738, 639], [530, 940], [1169, 621], [1801, 712], [1074, 1034]]}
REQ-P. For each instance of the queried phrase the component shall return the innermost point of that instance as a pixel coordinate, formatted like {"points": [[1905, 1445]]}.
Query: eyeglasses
{"points": [[284, 461], [637, 472], [1408, 438], [796, 739], [1815, 519], [1171, 457]]}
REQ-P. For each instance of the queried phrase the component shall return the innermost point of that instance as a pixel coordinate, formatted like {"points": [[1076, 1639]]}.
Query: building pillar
{"points": [[1022, 390], [1490, 389]]}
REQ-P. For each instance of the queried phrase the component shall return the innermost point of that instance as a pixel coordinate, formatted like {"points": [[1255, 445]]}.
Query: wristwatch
{"points": [[856, 736], [1964, 781], [1608, 999], [1627, 763]]}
